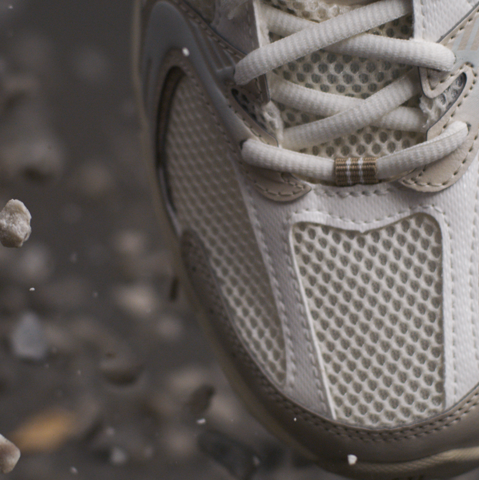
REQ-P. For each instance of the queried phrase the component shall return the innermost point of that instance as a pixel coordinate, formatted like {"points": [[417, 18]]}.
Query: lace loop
{"points": [[318, 37], [345, 115]]}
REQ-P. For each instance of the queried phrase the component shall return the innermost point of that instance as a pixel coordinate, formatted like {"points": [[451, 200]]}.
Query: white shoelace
{"points": [[344, 115]]}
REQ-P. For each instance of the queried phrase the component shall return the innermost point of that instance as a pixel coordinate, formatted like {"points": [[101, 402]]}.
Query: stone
{"points": [[9, 455], [28, 340], [15, 226]]}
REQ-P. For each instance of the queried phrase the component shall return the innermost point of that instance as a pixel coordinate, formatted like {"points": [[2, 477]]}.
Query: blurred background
{"points": [[104, 372]]}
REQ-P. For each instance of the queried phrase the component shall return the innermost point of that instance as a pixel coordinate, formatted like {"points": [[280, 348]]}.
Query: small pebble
{"points": [[352, 459], [73, 471], [15, 226], [9, 455], [28, 339]]}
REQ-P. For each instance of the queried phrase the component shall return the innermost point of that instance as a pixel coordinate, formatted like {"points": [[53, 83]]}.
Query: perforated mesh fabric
{"points": [[435, 108], [208, 200], [376, 303], [346, 75]]}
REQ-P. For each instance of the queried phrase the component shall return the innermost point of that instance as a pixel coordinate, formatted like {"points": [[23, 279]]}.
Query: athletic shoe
{"points": [[315, 163]]}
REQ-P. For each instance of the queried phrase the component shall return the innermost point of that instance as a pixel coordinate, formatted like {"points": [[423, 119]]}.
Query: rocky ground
{"points": [[102, 374]]}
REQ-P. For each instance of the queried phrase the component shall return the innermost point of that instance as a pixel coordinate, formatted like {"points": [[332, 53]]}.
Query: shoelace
{"points": [[344, 115]]}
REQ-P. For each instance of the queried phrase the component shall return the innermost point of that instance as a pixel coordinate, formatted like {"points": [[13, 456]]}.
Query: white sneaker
{"points": [[317, 166]]}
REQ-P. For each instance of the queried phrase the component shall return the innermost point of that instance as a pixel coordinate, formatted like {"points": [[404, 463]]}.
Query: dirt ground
{"points": [[102, 375]]}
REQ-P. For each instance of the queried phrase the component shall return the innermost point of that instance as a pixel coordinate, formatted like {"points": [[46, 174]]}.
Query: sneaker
{"points": [[315, 163]]}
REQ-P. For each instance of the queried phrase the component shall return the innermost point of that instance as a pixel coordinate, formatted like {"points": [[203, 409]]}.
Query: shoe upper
{"points": [[344, 292]]}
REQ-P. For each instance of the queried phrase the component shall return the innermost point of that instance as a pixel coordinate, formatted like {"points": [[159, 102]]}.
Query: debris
{"points": [[9, 455], [45, 432], [240, 460], [28, 339], [352, 459], [14, 224]]}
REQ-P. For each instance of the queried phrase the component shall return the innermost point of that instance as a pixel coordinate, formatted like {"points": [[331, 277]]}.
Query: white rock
{"points": [[28, 340], [9, 455], [14, 224], [352, 459]]}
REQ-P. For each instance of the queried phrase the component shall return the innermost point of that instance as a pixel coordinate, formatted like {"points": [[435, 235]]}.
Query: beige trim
{"points": [[355, 170]]}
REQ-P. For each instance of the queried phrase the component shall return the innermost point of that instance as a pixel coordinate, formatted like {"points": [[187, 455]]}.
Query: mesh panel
{"points": [[376, 303], [256, 112], [435, 108], [207, 199], [350, 76]]}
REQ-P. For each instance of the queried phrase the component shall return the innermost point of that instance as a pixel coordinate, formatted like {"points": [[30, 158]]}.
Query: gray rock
{"points": [[9, 455], [15, 226], [28, 339]]}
